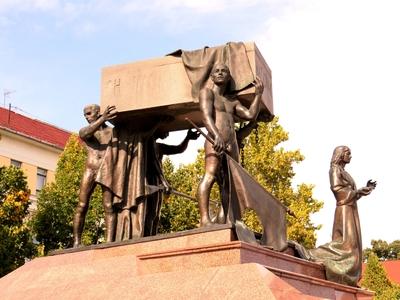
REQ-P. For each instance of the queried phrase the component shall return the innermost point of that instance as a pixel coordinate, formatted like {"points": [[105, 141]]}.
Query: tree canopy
{"points": [[15, 238], [52, 222], [383, 250], [272, 166]]}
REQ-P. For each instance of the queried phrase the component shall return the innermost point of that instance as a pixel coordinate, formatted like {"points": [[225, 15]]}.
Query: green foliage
{"points": [[52, 222], [178, 213], [272, 167], [390, 294], [383, 250], [251, 220], [15, 239], [375, 279]]}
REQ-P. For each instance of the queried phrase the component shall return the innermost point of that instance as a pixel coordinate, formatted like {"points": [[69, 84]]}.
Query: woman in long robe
{"points": [[342, 257]]}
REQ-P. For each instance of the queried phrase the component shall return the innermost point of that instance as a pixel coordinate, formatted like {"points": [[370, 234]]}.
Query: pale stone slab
{"points": [[196, 264], [148, 88]]}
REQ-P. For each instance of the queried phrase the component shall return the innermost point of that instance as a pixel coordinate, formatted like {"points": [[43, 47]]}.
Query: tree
{"points": [[375, 279], [271, 167], [178, 213], [15, 238], [383, 250], [52, 222]]}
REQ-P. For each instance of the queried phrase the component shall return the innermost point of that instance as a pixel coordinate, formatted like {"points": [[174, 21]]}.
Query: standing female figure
{"points": [[342, 257]]}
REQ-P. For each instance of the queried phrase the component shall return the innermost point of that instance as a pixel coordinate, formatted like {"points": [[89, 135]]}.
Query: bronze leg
{"points": [[86, 190], [110, 215], [212, 162]]}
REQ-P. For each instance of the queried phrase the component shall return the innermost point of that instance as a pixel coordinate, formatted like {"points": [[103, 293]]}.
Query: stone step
{"points": [[222, 254], [321, 288]]}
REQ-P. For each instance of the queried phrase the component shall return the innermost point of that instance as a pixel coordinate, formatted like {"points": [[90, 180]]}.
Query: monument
{"points": [[212, 88]]}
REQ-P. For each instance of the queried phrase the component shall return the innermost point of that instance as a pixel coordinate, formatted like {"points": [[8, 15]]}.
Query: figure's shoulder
{"points": [[206, 92], [83, 132], [336, 171]]}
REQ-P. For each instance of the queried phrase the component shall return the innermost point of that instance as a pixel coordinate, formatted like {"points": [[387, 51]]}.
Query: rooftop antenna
{"points": [[9, 113], [6, 94]]}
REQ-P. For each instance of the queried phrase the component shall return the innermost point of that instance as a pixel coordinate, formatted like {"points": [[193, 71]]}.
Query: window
{"points": [[40, 179], [16, 163]]}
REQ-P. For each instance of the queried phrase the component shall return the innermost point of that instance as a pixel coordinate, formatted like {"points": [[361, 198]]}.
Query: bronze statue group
{"points": [[126, 162]]}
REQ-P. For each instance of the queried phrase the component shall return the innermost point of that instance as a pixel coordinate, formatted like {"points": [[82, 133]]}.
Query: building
{"points": [[32, 145], [392, 268]]}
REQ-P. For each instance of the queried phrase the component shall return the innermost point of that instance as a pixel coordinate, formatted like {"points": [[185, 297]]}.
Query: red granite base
{"points": [[196, 264]]}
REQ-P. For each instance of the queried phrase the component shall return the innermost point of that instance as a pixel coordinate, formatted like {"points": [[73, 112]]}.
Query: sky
{"points": [[335, 75]]}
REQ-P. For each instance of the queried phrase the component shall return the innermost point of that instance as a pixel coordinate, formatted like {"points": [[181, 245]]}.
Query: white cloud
{"points": [[4, 21], [183, 15], [9, 6], [87, 28], [160, 7], [172, 16]]}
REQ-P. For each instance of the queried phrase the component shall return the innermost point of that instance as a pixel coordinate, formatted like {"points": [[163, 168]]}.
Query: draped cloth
{"points": [[125, 171], [248, 193], [198, 65], [342, 257]]}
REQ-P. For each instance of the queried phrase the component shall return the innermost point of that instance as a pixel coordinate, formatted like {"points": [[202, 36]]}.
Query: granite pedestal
{"points": [[196, 264]]}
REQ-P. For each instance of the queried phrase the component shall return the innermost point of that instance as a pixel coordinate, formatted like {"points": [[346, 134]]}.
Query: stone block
{"points": [[146, 89]]}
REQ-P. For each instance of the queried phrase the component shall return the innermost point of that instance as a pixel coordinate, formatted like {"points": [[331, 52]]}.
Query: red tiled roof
{"points": [[392, 268], [34, 129]]}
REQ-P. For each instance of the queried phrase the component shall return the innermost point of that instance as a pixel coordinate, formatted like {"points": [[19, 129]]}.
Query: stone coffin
{"points": [[146, 89]]}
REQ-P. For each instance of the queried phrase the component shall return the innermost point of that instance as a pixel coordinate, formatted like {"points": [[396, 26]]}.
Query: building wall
{"points": [[4, 161], [32, 154]]}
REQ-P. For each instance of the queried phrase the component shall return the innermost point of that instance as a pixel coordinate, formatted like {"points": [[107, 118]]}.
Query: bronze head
{"points": [[341, 155], [91, 112], [220, 73]]}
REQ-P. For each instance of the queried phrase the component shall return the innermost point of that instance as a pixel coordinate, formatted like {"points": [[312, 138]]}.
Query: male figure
{"points": [[219, 112], [96, 137], [161, 149]]}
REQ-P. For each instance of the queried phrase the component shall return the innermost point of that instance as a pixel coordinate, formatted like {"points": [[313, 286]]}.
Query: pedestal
{"points": [[196, 264]]}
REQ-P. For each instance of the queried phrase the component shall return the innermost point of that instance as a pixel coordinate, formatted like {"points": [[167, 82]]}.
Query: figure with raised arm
{"points": [[96, 137], [219, 112], [161, 149]]}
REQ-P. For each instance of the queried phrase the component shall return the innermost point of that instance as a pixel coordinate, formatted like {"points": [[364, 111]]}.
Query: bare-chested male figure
{"points": [[96, 137], [218, 117]]}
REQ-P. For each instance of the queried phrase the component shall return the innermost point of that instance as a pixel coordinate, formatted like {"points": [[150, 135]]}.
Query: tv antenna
{"points": [[6, 94]]}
